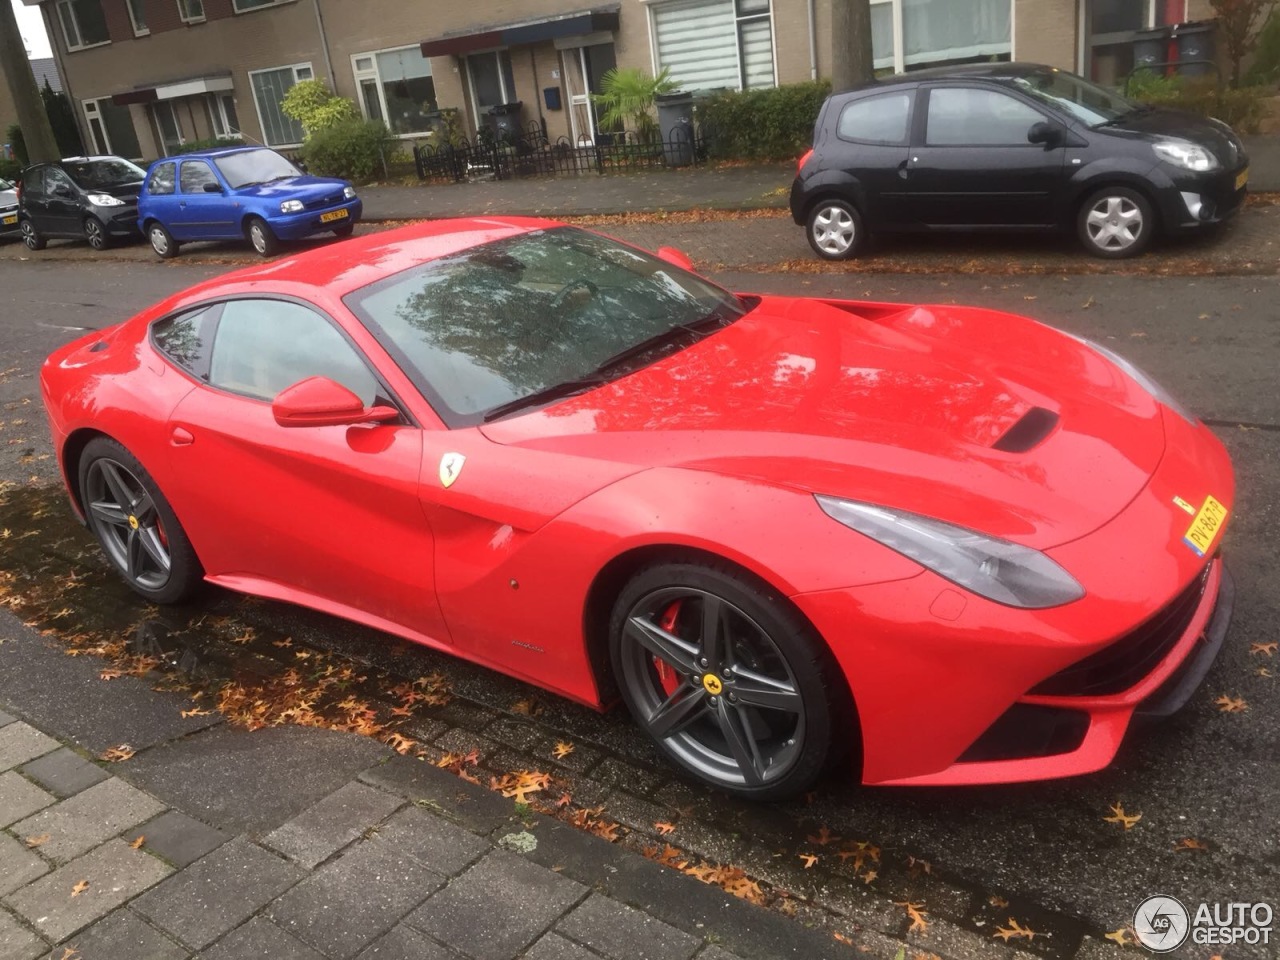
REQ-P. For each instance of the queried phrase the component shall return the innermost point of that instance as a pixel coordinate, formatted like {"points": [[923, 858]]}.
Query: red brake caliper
{"points": [[667, 675]]}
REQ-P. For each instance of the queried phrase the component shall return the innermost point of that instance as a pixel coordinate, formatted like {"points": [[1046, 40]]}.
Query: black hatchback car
{"points": [[80, 198], [1011, 146]]}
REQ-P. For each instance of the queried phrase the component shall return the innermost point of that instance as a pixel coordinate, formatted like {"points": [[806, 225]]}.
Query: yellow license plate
{"points": [[1242, 179], [1206, 526], [333, 215], [10, 221]]}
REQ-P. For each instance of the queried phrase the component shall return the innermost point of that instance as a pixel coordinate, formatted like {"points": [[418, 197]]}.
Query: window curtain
{"points": [[882, 35], [937, 30], [698, 41]]}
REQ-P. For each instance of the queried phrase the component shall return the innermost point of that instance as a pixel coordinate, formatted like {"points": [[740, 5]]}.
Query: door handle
{"points": [[182, 437], [902, 170]]}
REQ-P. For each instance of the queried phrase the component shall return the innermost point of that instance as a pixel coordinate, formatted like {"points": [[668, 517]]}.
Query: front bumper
{"points": [[1192, 201], [9, 223], [119, 221], [295, 226]]}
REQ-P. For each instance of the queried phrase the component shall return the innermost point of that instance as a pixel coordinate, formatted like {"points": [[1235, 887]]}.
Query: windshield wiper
{"points": [[1137, 111], [558, 391]]}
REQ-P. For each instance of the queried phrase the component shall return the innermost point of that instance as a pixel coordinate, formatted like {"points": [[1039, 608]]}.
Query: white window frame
{"points": [[375, 75], [93, 112], [235, 6], [737, 36], [144, 30], [899, 45], [216, 104], [297, 68], [64, 9], [184, 11], [154, 111]]}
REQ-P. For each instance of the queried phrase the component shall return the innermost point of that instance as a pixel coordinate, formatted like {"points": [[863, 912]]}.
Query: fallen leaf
{"points": [[80, 888], [998, 902], [916, 865], [1231, 704], [400, 743], [1119, 816], [110, 674], [809, 860], [823, 837], [562, 750], [917, 914], [1268, 648], [34, 842], [870, 875], [1014, 929], [69, 953], [1190, 843], [1088, 303], [1120, 936], [841, 937], [564, 800], [137, 844], [195, 712], [526, 708], [117, 754], [664, 829]]}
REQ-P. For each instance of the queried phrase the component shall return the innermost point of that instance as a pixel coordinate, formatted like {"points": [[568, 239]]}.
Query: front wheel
{"points": [[95, 233], [162, 241], [262, 237], [344, 231], [135, 525], [1116, 222], [835, 230], [730, 682]]}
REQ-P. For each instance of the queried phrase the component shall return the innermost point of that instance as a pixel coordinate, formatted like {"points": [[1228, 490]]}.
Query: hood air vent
{"points": [[1036, 424]]}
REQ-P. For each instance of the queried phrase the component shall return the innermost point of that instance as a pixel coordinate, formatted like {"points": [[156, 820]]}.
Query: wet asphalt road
{"points": [[1207, 775]]}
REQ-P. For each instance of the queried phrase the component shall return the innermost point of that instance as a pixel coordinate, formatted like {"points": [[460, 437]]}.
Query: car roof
{"points": [[969, 71], [212, 153], [340, 268]]}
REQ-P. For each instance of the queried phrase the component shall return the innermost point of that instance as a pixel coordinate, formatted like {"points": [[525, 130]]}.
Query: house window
{"points": [[491, 82], [244, 6], [138, 17], [223, 120], [111, 129], [168, 126], [396, 86], [907, 34], [1111, 27], [83, 23], [714, 43], [191, 11], [269, 88]]}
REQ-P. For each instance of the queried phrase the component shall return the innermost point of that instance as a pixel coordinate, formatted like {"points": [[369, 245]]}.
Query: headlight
{"points": [[1186, 155], [105, 200], [1159, 393], [292, 206], [1005, 572], [349, 193]]}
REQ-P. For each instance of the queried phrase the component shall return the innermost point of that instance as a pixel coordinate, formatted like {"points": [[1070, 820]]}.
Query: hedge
{"points": [[354, 150], [1242, 109], [769, 124]]}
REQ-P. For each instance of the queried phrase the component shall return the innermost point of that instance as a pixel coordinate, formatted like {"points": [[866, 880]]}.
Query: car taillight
{"points": [[17, 191], [803, 160]]}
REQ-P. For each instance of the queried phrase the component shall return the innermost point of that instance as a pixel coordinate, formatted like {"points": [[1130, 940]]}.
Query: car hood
{"points": [[121, 191], [1213, 135], [306, 188], [8, 198], [982, 419]]}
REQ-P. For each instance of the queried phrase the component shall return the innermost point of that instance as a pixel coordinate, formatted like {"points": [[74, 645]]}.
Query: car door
{"points": [[327, 515], [972, 165], [159, 198], [204, 209], [62, 212], [870, 142]]}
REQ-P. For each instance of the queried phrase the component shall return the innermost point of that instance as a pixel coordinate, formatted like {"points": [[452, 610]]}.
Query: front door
{"points": [[973, 164], [168, 127], [584, 70], [327, 515], [61, 203], [200, 214]]}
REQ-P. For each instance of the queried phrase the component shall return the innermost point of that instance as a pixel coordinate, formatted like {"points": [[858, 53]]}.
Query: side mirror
{"points": [[213, 187], [1050, 134], [62, 190], [677, 257], [321, 402]]}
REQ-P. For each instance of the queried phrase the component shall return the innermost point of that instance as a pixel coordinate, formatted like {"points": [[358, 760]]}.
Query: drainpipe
{"points": [[813, 41], [324, 47]]}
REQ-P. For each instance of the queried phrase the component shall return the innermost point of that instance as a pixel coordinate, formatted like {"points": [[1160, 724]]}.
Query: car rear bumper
{"points": [[299, 225]]}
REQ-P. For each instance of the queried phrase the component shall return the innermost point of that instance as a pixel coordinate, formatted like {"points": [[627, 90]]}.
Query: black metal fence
{"points": [[527, 152]]}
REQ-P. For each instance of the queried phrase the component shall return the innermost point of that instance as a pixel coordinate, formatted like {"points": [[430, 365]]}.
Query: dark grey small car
{"points": [[1011, 146], [80, 198]]}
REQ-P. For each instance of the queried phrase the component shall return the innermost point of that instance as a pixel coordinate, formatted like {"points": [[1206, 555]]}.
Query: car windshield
{"points": [[103, 174], [252, 167], [5, 184], [502, 326], [1087, 102]]}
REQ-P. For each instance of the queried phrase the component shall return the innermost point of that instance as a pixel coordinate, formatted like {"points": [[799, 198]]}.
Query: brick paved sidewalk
{"points": [[401, 861]]}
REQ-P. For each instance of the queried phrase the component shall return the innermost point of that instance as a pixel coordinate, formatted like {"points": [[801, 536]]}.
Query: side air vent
{"points": [[1036, 424]]}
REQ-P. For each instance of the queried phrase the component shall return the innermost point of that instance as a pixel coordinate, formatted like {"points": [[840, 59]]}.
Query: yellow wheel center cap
{"points": [[712, 684], [133, 522]]}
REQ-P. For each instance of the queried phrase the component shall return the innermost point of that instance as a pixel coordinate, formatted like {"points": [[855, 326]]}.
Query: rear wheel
{"points": [[730, 682], [32, 237], [262, 237], [835, 230], [1116, 222], [95, 233], [135, 525], [162, 241]]}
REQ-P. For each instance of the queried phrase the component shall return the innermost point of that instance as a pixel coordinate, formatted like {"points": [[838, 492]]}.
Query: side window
{"points": [[55, 178], [33, 182], [162, 180], [882, 119], [263, 346], [184, 339], [195, 174], [971, 117]]}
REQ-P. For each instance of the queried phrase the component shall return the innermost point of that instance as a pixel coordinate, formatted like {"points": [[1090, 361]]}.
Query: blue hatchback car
{"points": [[240, 193]]}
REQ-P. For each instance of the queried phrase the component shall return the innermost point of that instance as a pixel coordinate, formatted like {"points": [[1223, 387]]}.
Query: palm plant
{"points": [[628, 95]]}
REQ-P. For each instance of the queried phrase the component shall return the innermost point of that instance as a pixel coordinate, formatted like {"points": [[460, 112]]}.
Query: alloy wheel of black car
{"points": [[835, 229], [31, 236], [1116, 222], [162, 241], [730, 684], [96, 233], [135, 524]]}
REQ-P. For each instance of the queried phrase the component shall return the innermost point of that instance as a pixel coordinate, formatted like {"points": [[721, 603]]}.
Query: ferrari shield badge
{"points": [[450, 467]]}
